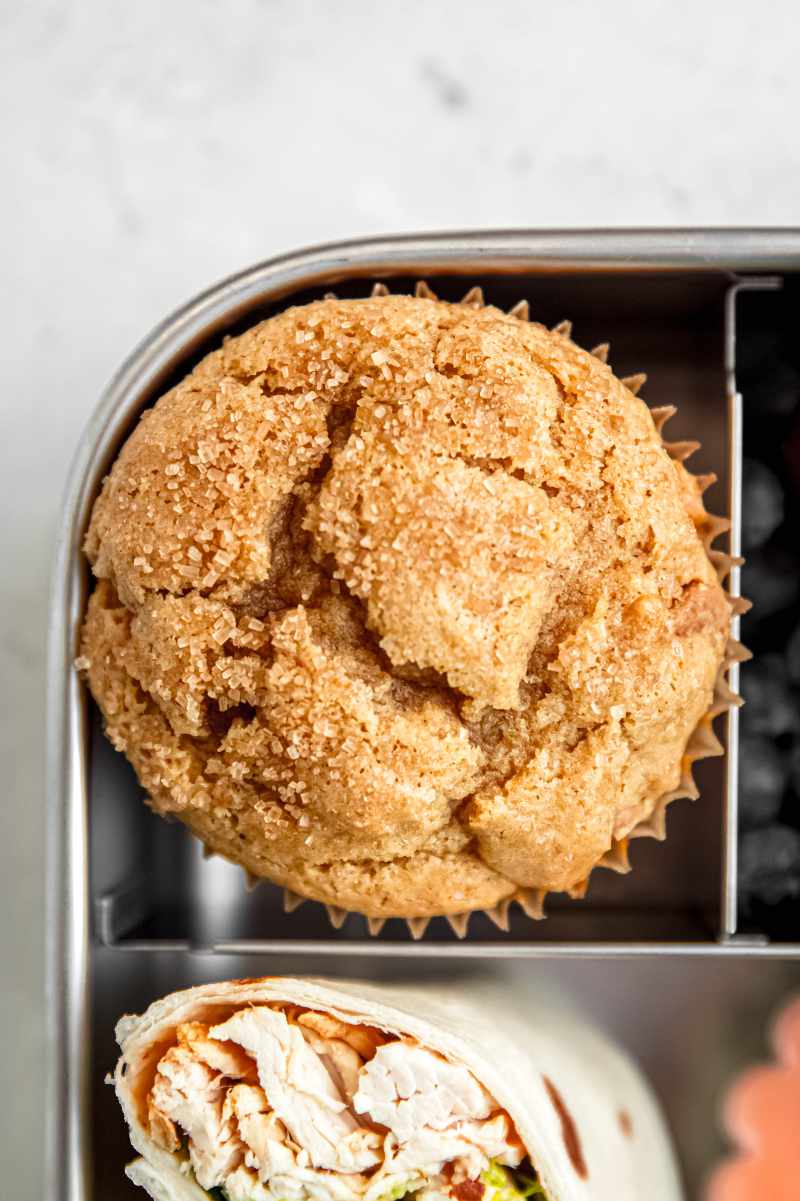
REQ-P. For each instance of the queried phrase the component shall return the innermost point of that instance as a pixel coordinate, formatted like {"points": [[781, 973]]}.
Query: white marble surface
{"points": [[151, 147]]}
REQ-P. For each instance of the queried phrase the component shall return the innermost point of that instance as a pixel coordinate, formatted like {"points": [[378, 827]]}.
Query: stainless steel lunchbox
{"points": [[134, 907]]}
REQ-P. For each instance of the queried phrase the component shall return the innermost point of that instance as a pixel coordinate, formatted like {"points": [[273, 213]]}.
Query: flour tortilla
{"points": [[589, 1122]]}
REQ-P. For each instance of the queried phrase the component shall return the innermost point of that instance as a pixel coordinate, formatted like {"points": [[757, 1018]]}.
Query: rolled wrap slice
{"points": [[282, 1089]]}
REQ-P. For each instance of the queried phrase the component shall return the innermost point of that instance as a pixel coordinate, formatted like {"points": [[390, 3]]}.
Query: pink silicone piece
{"points": [[762, 1117]]}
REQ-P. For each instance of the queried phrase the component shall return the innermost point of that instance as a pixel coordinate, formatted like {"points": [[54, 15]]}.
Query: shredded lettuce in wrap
{"points": [[508, 1184], [399, 1189]]}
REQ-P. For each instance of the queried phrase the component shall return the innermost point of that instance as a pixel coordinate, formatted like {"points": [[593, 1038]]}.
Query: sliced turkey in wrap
{"points": [[307, 1090]]}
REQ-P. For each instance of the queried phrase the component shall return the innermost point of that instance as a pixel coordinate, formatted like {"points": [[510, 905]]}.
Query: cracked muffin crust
{"points": [[402, 605]]}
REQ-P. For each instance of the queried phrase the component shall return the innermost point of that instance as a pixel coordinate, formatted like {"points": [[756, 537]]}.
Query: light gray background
{"points": [[151, 147]]}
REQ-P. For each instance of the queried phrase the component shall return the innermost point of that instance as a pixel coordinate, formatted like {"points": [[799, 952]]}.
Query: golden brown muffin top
{"points": [[403, 599]]}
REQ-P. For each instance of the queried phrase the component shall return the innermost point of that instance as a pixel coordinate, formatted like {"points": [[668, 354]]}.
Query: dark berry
{"points": [[769, 864], [762, 504], [770, 581], [773, 389], [763, 774], [771, 708]]}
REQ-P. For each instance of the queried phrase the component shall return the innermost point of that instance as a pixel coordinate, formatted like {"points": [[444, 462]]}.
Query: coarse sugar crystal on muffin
{"points": [[402, 604]]}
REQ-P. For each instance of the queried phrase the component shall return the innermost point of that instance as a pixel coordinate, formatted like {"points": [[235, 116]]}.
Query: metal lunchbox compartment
{"points": [[135, 908]]}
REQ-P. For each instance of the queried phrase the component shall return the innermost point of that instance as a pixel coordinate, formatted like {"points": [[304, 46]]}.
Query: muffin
{"points": [[405, 606]]}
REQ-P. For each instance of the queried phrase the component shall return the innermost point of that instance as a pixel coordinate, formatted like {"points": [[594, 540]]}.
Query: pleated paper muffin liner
{"points": [[703, 743]]}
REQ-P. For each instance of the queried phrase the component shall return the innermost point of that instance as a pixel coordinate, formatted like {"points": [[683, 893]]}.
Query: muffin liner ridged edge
{"points": [[703, 742]]}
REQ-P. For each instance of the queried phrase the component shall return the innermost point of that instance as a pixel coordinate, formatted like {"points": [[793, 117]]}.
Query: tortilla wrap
{"points": [[586, 1119]]}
